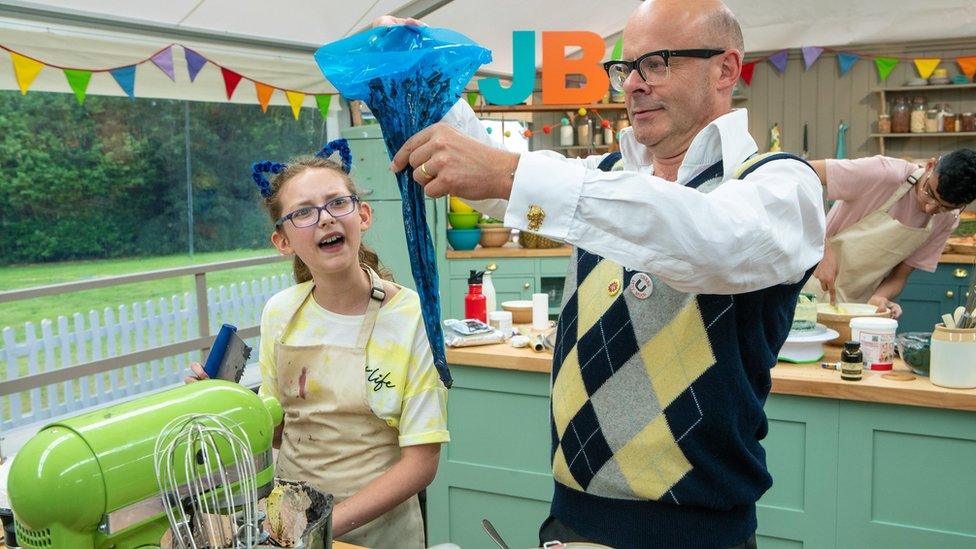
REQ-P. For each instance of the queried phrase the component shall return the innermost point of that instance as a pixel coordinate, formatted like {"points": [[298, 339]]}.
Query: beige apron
{"points": [[331, 437], [867, 251]]}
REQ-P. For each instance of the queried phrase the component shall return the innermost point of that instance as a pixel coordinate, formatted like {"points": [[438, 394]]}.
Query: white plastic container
{"points": [[877, 338], [566, 135], [501, 320], [953, 358], [488, 290]]}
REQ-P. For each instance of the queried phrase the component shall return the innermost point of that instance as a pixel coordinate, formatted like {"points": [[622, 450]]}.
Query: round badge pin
{"points": [[614, 287], [641, 285]]}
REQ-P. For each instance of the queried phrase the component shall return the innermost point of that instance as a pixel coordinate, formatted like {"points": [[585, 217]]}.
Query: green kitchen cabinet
{"points": [[845, 473], [927, 296]]}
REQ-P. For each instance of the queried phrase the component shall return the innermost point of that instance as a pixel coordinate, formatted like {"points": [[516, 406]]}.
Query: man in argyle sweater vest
{"points": [[657, 402]]}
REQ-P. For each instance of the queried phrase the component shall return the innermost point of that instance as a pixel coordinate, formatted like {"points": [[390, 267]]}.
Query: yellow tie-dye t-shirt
{"points": [[404, 391]]}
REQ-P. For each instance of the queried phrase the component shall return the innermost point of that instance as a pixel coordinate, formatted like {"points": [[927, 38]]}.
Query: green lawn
{"points": [[16, 313]]}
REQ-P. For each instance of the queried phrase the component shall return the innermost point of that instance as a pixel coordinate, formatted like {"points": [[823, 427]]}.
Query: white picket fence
{"points": [[116, 331]]}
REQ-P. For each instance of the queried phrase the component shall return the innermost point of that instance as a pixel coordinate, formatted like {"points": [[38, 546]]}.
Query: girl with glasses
{"points": [[346, 354]]}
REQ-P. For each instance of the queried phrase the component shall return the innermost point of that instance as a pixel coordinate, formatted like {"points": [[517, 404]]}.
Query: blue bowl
{"points": [[463, 239]]}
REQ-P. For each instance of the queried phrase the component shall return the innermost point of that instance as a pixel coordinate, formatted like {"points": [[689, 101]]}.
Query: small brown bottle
{"points": [[851, 361]]}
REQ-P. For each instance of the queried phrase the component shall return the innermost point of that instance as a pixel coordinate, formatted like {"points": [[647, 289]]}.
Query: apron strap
{"points": [[908, 185], [377, 295]]}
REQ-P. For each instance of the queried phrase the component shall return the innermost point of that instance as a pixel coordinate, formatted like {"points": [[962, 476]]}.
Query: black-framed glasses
{"points": [[654, 67], [306, 216]]}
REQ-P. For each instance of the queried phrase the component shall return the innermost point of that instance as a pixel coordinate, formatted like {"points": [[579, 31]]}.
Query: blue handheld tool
{"points": [[228, 355]]}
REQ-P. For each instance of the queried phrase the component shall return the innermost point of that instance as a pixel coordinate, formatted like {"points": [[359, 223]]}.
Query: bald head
{"points": [[704, 22]]}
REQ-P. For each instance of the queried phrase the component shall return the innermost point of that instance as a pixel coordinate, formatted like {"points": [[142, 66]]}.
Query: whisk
{"points": [[206, 476]]}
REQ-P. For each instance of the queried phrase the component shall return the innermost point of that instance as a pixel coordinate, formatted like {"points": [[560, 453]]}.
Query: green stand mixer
{"points": [[95, 480]]}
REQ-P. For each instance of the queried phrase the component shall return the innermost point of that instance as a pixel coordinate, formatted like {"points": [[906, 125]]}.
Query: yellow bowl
{"points": [[458, 206]]}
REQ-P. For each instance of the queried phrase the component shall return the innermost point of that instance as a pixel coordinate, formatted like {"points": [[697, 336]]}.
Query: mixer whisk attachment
{"points": [[206, 476]]}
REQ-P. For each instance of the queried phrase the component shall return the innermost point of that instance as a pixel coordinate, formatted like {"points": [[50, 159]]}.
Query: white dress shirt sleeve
{"points": [[462, 117], [745, 235]]}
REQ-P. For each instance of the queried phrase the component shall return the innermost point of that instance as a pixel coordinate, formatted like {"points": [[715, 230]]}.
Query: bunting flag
{"points": [[472, 99], [779, 60], [323, 101], [264, 95], [968, 66], [845, 61], [926, 66], [164, 60], [618, 50], [126, 78], [747, 71], [194, 62], [885, 66], [78, 80], [231, 80], [295, 100], [810, 55], [25, 71]]}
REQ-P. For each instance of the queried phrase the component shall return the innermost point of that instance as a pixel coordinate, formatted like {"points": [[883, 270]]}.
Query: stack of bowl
{"points": [[464, 233]]}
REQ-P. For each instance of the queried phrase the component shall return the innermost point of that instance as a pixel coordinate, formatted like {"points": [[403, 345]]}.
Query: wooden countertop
{"points": [[510, 250], [958, 258], [808, 380]]}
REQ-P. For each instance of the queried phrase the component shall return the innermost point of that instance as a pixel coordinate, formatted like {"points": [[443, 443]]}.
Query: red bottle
{"points": [[475, 304]]}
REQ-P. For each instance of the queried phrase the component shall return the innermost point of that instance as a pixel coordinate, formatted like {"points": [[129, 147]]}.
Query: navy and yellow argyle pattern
{"points": [[606, 370]]}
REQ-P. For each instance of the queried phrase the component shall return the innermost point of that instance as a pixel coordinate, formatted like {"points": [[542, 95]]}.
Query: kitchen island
{"points": [[875, 463]]}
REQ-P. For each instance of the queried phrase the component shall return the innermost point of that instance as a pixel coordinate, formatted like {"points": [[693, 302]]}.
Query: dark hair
{"points": [[295, 167], [957, 176]]}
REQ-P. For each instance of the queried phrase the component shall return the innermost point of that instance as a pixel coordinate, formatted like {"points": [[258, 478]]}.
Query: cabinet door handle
{"points": [[961, 273], [491, 267], [526, 285], [950, 294]]}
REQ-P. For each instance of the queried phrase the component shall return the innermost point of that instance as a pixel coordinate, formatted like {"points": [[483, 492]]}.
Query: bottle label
{"points": [[851, 370]]}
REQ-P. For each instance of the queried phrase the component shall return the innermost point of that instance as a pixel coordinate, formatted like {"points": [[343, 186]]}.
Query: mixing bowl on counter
{"points": [[838, 317]]}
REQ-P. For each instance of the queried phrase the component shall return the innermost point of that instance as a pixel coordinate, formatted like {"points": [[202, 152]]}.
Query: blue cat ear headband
{"points": [[259, 169]]}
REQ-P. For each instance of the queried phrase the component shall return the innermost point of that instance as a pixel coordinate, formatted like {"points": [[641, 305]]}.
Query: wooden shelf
{"points": [[551, 108], [926, 134], [921, 88], [510, 251]]}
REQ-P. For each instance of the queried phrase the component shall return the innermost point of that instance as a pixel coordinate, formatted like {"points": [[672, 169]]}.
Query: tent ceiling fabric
{"points": [[303, 25]]}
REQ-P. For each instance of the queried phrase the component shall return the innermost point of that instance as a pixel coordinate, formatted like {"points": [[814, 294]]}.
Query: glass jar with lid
{"points": [[917, 118], [884, 123], [931, 121], [968, 122], [584, 131], [944, 109], [900, 116]]}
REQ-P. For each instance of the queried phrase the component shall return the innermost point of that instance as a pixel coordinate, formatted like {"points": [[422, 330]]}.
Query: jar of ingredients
{"points": [[884, 123], [622, 122], [931, 121], [917, 118], [608, 136], [566, 133], [851, 362], [584, 131], [949, 123], [944, 109], [900, 117], [968, 122]]}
